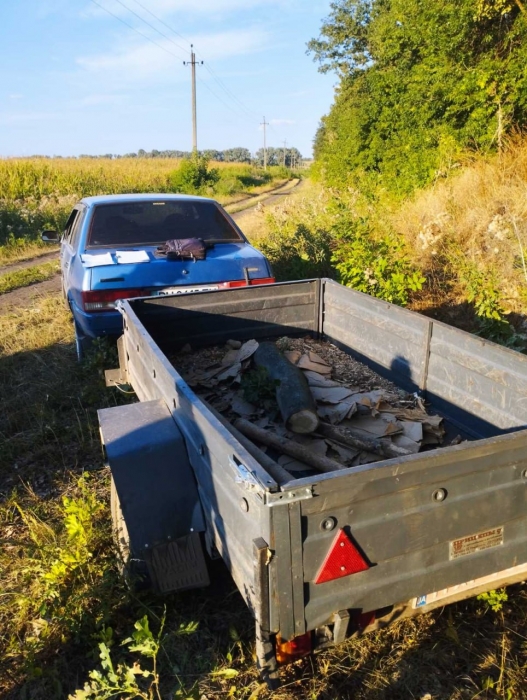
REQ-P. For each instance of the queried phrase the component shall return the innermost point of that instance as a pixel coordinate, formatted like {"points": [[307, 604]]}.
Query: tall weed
{"points": [[60, 577]]}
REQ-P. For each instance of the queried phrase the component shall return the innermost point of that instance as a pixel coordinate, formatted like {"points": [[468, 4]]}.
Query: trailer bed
{"points": [[423, 524]]}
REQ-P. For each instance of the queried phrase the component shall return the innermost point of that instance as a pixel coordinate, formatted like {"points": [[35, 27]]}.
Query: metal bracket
{"points": [[244, 477], [114, 376], [340, 629], [301, 494]]}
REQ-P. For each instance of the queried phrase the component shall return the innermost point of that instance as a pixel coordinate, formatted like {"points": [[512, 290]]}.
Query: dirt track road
{"points": [[25, 296]]}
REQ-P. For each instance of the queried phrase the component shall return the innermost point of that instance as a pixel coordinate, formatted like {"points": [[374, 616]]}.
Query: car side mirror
{"points": [[50, 236]]}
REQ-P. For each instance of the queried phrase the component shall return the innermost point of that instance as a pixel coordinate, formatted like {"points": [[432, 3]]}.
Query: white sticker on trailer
{"points": [[476, 543], [495, 580]]}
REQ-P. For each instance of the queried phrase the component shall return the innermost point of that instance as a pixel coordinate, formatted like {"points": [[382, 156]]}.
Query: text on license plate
{"points": [[170, 291]]}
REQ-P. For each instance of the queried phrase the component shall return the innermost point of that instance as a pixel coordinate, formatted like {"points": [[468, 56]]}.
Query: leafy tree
{"points": [[237, 155], [210, 154], [275, 156], [419, 82]]}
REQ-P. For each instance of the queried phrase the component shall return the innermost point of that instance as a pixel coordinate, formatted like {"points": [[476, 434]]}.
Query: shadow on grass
{"points": [[50, 435]]}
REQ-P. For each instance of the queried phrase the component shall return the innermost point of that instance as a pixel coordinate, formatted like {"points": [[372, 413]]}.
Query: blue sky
{"points": [[74, 79]]}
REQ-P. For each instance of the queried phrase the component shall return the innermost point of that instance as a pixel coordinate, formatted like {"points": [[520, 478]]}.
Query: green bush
{"points": [[298, 251], [194, 176], [377, 267]]}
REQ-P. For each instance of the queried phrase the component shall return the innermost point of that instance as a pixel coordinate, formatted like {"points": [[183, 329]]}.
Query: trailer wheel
{"points": [[134, 571]]}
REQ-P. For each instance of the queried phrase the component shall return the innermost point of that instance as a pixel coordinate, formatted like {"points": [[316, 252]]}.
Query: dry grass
{"points": [[24, 251], [478, 216], [255, 224]]}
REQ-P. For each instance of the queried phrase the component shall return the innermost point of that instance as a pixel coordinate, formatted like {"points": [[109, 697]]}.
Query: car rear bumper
{"points": [[95, 325]]}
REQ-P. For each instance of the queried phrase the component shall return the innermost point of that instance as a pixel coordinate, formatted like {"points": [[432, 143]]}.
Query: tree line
{"points": [[420, 83], [290, 157]]}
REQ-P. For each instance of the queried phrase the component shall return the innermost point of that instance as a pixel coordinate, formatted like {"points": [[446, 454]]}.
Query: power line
{"points": [[149, 25], [145, 36], [226, 89], [161, 21], [208, 68], [220, 99]]}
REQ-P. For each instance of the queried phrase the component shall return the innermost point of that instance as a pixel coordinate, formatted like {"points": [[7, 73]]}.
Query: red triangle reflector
{"points": [[342, 559]]}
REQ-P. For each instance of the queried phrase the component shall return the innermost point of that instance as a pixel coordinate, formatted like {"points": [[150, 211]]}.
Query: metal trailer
{"points": [[426, 530]]}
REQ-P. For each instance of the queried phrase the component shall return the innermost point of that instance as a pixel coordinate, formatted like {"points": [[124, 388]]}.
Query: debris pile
{"points": [[307, 405]]}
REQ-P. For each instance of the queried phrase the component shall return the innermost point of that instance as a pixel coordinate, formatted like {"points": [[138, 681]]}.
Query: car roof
{"points": [[147, 197]]}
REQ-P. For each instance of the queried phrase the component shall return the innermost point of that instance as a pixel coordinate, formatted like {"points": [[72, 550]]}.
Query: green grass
{"points": [[28, 275]]}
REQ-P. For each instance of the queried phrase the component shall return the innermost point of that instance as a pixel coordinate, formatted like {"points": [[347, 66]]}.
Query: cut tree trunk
{"points": [[288, 447], [294, 398]]}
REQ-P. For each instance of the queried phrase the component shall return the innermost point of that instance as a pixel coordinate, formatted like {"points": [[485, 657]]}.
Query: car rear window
{"points": [[154, 222]]}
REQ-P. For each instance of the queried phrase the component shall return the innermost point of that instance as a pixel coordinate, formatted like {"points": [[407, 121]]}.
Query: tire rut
{"points": [[30, 262]]}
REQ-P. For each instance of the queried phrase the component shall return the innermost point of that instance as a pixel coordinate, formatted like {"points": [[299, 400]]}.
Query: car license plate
{"points": [[171, 291]]}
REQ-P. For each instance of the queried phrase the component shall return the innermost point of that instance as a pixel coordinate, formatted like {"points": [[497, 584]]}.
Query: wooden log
{"points": [[295, 401], [275, 470], [288, 447], [346, 436]]}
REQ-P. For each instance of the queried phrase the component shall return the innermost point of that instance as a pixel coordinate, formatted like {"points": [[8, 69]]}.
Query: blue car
{"points": [[109, 251]]}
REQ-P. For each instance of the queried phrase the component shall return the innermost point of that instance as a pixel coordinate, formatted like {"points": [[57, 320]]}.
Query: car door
{"points": [[68, 250]]}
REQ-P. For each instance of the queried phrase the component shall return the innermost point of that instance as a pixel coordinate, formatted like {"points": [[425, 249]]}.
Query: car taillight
{"points": [[243, 283], [106, 300], [296, 648], [342, 559]]}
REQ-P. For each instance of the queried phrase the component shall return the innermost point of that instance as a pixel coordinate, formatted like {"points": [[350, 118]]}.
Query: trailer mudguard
{"points": [[156, 492]]}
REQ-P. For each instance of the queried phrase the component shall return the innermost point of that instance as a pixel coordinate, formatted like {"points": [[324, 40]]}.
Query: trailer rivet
{"points": [[244, 505], [439, 495], [328, 524]]}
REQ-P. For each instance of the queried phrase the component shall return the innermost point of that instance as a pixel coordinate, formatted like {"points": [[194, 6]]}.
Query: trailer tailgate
{"points": [[421, 525]]}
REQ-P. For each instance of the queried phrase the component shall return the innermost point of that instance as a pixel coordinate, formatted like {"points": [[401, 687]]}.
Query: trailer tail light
{"points": [[342, 559], [366, 619], [106, 300], [252, 283], [296, 648]]}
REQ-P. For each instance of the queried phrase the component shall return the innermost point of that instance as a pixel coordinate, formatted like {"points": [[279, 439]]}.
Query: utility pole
{"points": [[193, 64], [285, 147], [264, 124]]}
